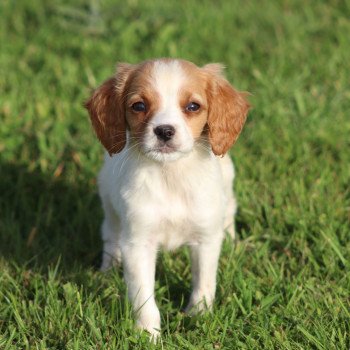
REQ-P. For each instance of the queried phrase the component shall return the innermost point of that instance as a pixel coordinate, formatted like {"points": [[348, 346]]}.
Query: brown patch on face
{"points": [[110, 105], [140, 89], [223, 109], [194, 90]]}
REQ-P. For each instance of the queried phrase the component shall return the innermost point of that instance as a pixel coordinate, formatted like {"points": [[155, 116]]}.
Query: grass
{"points": [[286, 283]]}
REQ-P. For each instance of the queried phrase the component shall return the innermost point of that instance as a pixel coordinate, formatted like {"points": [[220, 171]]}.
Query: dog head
{"points": [[167, 105]]}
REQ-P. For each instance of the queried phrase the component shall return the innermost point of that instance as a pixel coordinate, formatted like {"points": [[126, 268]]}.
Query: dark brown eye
{"points": [[139, 107], [192, 107]]}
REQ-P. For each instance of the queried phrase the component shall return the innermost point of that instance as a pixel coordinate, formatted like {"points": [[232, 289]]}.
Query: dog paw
{"points": [[151, 324], [197, 306]]}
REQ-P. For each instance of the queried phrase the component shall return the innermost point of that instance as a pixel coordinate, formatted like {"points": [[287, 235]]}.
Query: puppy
{"points": [[166, 180]]}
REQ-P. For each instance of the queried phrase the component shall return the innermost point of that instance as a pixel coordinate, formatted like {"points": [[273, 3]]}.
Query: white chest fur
{"points": [[169, 205]]}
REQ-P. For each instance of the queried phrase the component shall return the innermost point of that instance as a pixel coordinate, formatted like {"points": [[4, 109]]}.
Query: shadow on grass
{"points": [[44, 220]]}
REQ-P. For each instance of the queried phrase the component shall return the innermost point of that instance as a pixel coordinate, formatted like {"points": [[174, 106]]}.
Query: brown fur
{"points": [[139, 89], [228, 111], [194, 91], [222, 113], [107, 112]]}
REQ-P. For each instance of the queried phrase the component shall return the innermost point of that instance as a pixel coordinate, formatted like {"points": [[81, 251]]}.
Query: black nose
{"points": [[164, 132]]}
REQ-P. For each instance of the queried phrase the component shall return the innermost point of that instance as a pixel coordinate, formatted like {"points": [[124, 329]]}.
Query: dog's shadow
{"points": [[44, 220]]}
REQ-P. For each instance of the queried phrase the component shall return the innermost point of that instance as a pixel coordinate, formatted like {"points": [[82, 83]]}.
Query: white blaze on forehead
{"points": [[168, 77]]}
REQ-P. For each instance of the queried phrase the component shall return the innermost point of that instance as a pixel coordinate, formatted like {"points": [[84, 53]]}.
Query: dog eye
{"points": [[192, 107], [139, 107]]}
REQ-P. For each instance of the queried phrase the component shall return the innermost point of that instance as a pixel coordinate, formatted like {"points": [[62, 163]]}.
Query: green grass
{"points": [[286, 283]]}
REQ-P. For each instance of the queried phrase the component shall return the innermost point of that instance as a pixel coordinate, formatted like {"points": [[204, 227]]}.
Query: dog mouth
{"points": [[162, 148], [164, 152], [166, 149]]}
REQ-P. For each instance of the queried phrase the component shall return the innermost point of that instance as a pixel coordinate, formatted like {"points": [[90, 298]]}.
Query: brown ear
{"points": [[107, 112], [227, 113]]}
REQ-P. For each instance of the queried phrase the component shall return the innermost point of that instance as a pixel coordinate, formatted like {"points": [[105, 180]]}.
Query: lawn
{"points": [[285, 283]]}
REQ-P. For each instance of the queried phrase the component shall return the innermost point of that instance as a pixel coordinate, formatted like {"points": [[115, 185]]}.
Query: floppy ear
{"points": [[227, 112], [107, 112]]}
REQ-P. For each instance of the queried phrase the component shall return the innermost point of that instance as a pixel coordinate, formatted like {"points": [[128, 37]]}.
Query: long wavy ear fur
{"points": [[107, 112], [228, 109]]}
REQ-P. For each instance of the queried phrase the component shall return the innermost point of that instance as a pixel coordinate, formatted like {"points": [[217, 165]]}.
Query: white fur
{"points": [[153, 199], [168, 79]]}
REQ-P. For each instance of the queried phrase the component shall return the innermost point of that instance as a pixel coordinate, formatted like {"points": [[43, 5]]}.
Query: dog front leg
{"points": [[205, 257], [139, 272]]}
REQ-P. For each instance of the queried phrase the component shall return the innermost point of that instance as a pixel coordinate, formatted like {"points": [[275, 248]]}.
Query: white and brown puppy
{"points": [[166, 181]]}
